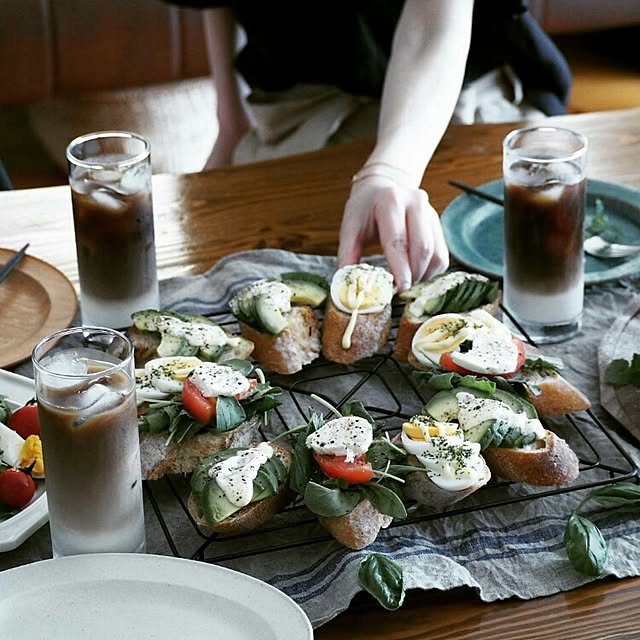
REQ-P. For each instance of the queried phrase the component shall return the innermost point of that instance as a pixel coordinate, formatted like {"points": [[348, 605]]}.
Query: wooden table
{"points": [[296, 204]]}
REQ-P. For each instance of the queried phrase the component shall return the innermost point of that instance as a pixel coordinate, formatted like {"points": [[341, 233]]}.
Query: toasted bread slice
{"points": [[409, 325], [369, 334], [359, 528], [424, 491], [252, 516], [296, 345], [548, 462], [158, 458], [553, 395]]}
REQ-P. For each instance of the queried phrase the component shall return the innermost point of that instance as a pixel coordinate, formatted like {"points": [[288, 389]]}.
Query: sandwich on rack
{"points": [[162, 334], [453, 292], [344, 473], [189, 409], [238, 490], [477, 344], [278, 317], [357, 322]]}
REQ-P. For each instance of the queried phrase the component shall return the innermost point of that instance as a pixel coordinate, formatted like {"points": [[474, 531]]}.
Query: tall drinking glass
{"points": [[544, 207], [110, 180], [85, 388]]}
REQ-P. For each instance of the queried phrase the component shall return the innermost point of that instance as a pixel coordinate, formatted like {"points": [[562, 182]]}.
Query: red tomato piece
{"points": [[16, 488], [357, 471], [202, 408], [447, 363], [25, 421]]}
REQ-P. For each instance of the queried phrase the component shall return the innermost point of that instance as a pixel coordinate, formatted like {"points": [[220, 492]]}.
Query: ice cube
{"points": [[95, 400], [133, 181], [106, 176], [67, 363], [108, 200]]}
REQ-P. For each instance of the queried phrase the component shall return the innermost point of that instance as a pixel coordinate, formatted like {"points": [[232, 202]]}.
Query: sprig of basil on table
{"points": [[383, 579], [584, 543], [620, 372]]}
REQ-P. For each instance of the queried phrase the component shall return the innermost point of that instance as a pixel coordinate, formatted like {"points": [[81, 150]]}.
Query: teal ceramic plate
{"points": [[474, 229]]}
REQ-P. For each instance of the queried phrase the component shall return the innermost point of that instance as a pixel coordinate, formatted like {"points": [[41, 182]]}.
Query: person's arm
{"points": [[422, 84], [233, 120]]}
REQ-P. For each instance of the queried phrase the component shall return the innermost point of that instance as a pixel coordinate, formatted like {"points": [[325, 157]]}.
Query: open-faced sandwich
{"points": [[278, 317], [456, 291], [345, 476], [506, 427], [162, 334], [189, 409], [451, 467], [237, 490], [358, 317], [478, 344]]}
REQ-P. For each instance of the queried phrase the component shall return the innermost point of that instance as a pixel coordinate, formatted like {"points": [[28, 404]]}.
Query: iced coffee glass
{"points": [[85, 387], [110, 180], [544, 207]]}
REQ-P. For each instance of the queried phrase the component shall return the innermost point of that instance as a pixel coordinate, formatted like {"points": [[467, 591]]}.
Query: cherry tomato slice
{"points": [[446, 362], [202, 408], [25, 421], [358, 471], [16, 488]]}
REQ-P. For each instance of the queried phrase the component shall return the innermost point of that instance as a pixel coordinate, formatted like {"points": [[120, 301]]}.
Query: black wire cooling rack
{"points": [[391, 395]]}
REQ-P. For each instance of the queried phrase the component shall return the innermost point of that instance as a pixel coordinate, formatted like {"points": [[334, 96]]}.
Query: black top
{"points": [[347, 43]]}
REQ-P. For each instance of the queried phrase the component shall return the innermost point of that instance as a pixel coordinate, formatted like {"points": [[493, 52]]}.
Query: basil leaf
{"points": [[620, 372], [381, 452], [243, 366], [585, 546], [383, 579], [624, 494], [450, 380], [329, 502], [303, 464], [543, 363], [384, 500], [5, 412], [229, 413], [356, 408]]}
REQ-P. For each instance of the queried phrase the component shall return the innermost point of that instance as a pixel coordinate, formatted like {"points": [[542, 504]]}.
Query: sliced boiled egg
{"points": [[362, 287], [440, 334], [425, 428], [162, 377], [31, 456]]}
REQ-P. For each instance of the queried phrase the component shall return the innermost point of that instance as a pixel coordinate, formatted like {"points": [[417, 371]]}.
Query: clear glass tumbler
{"points": [[85, 388], [544, 208], [110, 180]]}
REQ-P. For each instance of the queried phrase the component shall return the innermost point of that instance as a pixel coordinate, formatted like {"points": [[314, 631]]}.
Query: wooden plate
{"points": [[35, 300]]}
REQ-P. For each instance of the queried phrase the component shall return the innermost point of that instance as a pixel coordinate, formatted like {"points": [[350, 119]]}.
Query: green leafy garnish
{"points": [[5, 411], [620, 372], [383, 579], [543, 363], [598, 224], [450, 380], [584, 542]]}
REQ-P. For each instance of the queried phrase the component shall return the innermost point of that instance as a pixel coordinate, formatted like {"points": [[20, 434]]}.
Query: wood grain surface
{"points": [[296, 203]]}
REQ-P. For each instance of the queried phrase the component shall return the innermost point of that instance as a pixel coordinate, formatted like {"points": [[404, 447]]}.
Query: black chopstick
{"points": [[13, 263], [476, 192]]}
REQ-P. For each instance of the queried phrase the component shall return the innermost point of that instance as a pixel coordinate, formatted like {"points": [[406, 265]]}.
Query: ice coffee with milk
{"points": [[110, 180]]}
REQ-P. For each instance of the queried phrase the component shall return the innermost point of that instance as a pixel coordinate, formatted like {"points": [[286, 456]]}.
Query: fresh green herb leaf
{"points": [[243, 366], [450, 380], [383, 579], [543, 363], [5, 411], [624, 494], [330, 502], [599, 225], [356, 408], [620, 372], [229, 413], [385, 500], [585, 546]]}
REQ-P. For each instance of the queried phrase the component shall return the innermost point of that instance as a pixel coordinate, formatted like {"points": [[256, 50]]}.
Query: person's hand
{"points": [[402, 220]]}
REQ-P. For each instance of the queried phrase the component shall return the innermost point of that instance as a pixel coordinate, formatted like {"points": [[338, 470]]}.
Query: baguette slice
{"points": [[296, 345], [358, 528], [553, 395], [549, 462], [409, 325], [157, 458], [254, 515], [369, 335], [424, 491]]}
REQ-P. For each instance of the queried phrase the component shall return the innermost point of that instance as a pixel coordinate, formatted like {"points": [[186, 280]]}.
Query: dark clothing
{"points": [[347, 43]]}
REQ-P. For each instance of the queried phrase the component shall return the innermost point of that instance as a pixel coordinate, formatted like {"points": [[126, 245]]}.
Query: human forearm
{"points": [[422, 83]]}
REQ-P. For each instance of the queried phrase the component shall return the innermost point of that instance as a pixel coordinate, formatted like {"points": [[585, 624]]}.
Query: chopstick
{"points": [[13, 263], [476, 192]]}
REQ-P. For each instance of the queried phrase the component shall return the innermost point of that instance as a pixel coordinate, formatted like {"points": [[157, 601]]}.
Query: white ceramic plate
{"points": [[107, 596], [16, 529]]}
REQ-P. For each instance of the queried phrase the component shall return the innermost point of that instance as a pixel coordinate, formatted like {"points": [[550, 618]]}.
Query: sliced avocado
{"points": [[214, 504], [515, 403], [443, 406], [305, 276], [193, 317], [211, 353], [175, 346], [147, 319], [271, 317], [306, 292], [489, 433]]}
